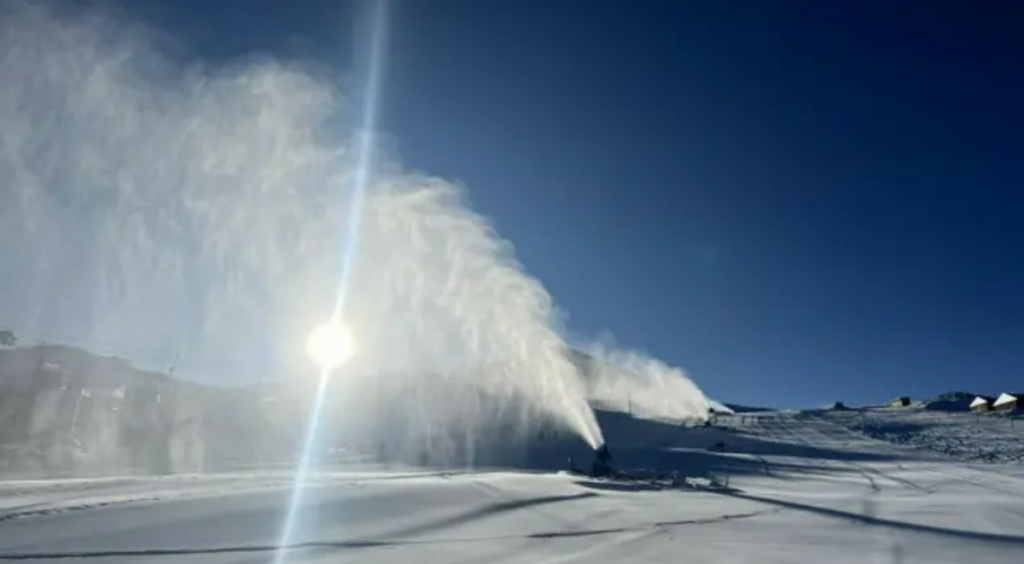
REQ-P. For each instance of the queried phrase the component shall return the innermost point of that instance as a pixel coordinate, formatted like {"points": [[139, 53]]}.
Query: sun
{"points": [[330, 344]]}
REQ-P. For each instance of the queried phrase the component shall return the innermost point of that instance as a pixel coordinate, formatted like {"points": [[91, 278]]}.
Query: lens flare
{"points": [[329, 344]]}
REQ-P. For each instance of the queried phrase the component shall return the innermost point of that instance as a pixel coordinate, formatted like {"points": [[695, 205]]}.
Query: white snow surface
{"points": [[975, 437], [802, 487]]}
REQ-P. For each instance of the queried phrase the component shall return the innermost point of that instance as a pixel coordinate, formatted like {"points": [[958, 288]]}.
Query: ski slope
{"points": [[801, 487], [985, 437]]}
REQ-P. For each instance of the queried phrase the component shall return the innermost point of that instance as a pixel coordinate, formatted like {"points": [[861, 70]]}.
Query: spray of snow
{"points": [[192, 215], [626, 380], [186, 214]]}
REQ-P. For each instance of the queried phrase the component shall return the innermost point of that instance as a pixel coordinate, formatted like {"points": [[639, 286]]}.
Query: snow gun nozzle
{"points": [[602, 466]]}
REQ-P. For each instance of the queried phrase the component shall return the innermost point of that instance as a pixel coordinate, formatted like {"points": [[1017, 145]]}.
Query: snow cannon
{"points": [[602, 466]]}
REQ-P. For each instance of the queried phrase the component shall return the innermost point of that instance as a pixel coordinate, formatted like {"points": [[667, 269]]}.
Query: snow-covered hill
{"points": [[801, 487], [870, 485], [67, 412], [985, 437]]}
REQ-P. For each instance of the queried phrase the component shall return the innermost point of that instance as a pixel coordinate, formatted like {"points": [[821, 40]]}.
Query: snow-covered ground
{"points": [[985, 437], [801, 488]]}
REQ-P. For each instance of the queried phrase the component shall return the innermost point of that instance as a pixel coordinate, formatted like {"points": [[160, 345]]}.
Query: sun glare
{"points": [[330, 344]]}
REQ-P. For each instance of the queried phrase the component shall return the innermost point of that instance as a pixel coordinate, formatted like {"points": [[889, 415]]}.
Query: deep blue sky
{"points": [[796, 201]]}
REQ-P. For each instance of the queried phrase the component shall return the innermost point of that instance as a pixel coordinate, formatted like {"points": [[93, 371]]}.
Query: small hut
{"points": [[982, 403], [1009, 402]]}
